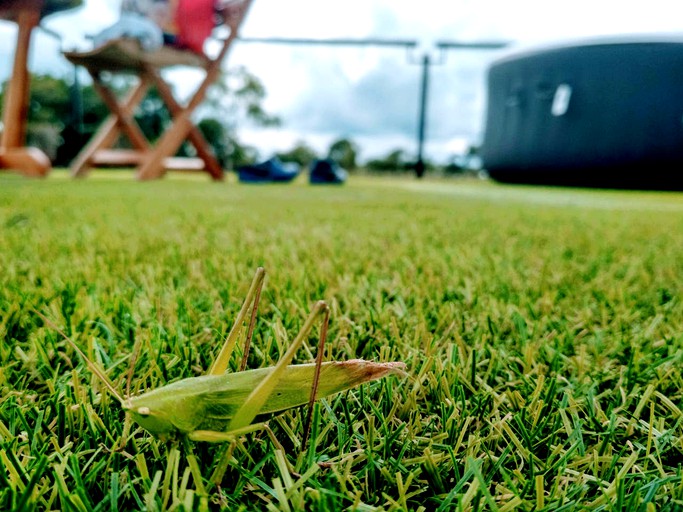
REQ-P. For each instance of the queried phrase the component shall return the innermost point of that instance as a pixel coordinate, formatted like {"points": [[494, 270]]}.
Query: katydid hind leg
{"points": [[259, 396], [220, 365], [316, 376]]}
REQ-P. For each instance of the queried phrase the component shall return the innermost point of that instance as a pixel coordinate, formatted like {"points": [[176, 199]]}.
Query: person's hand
{"points": [[231, 11]]}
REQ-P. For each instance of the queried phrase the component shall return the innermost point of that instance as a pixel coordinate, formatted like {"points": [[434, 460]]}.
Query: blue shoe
{"points": [[270, 171], [328, 172]]}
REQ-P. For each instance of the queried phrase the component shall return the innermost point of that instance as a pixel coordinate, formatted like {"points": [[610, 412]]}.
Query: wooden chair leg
{"points": [[31, 162], [13, 155], [152, 167], [194, 135], [17, 93], [124, 117], [108, 132]]}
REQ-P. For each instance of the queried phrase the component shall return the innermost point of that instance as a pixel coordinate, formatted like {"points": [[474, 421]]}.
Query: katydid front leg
{"points": [[220, 365], [252, 322]]}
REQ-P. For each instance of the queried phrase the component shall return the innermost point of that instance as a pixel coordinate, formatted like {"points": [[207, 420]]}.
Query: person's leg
{"points": [[134, 26]]}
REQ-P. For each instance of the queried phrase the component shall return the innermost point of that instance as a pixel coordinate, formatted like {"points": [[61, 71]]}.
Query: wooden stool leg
{"points": [[13, 155], [152, 167], [16, 102], [124, 116], [108, 132], [32, 162], [194, 135]]}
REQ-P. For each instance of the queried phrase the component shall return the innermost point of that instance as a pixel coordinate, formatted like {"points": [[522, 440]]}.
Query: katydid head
{"points": [[153, 420]]}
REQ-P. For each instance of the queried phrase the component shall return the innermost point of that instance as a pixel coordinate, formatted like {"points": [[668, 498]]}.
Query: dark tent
{"points": [[606, 113]]}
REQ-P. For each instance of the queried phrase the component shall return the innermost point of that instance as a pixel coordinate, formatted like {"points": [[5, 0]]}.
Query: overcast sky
{"points": [[371, 94]]}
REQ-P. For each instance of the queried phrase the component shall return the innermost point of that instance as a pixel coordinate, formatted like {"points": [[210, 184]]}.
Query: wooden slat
{"points": [[116, 157], [132, 158], [177, 163]]}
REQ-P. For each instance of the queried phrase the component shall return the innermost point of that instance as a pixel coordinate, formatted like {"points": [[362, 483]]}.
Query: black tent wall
{"points": [[618, 118]]}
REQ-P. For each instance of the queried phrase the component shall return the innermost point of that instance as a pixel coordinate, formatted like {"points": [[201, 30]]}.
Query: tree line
{"points": [[63, 115]]}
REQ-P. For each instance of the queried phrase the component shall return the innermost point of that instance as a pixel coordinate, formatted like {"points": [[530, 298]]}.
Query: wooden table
{"points": [[13, 153]]}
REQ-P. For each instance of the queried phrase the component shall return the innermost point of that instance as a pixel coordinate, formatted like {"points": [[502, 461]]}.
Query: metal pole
{"points": [[77, 104], [422, 123]]}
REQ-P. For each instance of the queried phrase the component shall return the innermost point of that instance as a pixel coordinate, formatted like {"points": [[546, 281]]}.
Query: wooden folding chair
{"points": [[152, 161]]}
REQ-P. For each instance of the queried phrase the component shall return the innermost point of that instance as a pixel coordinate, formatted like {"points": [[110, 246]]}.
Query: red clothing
{"points": [[195, 20]]}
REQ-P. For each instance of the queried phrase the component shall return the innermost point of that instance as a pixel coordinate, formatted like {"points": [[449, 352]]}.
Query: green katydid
{"points": [[221, 406]]}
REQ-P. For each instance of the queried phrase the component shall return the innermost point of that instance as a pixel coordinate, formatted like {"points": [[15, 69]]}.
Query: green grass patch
{"points": [[542, 329]]}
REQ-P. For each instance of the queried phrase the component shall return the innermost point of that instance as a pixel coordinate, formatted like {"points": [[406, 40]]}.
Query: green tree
{"points": [[228, 150], [345, 152], [49, 113], [468, 163], [52, 121], [396, 161], [237, 97], [50, 100], [301, 154], [55, 126]]}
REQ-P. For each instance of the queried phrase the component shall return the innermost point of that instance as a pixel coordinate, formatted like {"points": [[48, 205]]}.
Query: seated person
{"points": [[185, 24]]}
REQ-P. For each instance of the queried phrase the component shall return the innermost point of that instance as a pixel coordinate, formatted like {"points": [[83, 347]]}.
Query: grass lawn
{"points": [[542, 330]]}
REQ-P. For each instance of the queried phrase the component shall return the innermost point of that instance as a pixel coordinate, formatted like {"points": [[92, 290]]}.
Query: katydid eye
{"points": [[143, 411]]}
